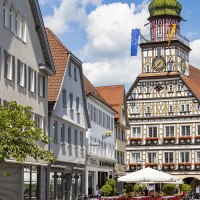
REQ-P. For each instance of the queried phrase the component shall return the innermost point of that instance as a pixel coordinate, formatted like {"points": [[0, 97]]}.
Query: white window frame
{"points": [[9, 64], [169, 126], [71, 101], [55, 130], [181, 129], [196, 157], [156, 157], [62, 132], [21, 73], [168, 152], [6, 15], [180, 160], [64, 98], [198, 130], [136, 157], [138, 133], [152, 127], [41, 85], [32, 79]]}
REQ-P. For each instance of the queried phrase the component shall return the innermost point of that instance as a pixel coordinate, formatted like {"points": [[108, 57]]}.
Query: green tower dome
{"points": [[165, 7]]}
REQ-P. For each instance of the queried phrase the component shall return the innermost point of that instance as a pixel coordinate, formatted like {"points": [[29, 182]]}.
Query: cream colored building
{"points": [[164, 101], [25, 62]]}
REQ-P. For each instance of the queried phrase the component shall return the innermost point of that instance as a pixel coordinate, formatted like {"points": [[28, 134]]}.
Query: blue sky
{"points": [[98, 33]]}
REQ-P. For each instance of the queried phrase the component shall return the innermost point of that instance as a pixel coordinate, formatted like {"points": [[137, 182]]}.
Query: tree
{"points": [[19, 135], [109, 189], [169, 189]]}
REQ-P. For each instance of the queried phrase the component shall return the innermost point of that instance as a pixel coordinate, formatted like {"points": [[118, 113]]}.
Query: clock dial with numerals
{"points": [[158, 63]]}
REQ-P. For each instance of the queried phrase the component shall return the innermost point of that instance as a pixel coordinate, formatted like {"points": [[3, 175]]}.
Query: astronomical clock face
{"points": [[159, 63]]}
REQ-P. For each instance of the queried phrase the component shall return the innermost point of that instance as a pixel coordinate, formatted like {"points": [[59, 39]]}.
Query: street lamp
{"points": [[138, 161], [86, 156]]}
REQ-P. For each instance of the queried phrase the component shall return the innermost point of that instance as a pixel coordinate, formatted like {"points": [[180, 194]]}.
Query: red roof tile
{"points": [[60, 59], [114, 95], [91, 90], [193, 81]]}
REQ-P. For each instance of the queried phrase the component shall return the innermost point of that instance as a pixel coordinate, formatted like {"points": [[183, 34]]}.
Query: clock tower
{"points": [[157, 56], [164, 100]]}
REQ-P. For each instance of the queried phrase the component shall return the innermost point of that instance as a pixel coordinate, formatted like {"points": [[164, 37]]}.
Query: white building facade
{"points": [[68, 122], [25, 62], [100, 141]]}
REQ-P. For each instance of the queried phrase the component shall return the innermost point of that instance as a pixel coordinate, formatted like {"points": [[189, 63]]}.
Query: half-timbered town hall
{"points": [[164, 100]]}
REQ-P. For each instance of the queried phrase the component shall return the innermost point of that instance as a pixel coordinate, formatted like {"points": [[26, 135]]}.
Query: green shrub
{"points": [[139, 187], [129, 188], [169, 189], [185, 187], [109, 189], [106, 189]]}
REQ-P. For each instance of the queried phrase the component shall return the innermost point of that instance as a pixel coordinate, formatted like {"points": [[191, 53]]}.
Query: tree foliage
{"points": [[129, 189], [139, 187], [19, 135], [109, 189], [186, 187], [169, 189]]}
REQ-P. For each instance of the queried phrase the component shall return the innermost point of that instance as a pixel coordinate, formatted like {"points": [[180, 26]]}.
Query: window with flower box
{"points": [[184, 156], [198, 156], [136, 132], [168, 157], [151, 157], [198, 130], [185, 130], [135, 157], [153, 132], [169, 131]]}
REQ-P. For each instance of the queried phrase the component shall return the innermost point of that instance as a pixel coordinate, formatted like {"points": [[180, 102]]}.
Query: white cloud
{"points": [[194, 55], [68, 11], [108, 48]]}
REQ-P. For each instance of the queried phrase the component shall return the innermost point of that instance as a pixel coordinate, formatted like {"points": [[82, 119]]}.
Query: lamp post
{"points": [[138, 161], [86, 157]]}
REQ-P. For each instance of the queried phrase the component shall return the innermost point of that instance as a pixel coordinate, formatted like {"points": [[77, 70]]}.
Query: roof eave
{"points": [[40, 29]]}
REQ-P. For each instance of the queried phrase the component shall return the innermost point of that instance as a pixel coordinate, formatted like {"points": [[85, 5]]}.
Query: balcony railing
{"points": [[164, 37]]}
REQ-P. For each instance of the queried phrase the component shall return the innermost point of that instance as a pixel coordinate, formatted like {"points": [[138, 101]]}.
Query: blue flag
{"points": [[134, 41]]}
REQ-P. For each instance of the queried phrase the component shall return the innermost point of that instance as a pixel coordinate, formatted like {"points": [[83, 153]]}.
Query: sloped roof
{"points": [[39, 25], [192, 82], [60, 56], [114, 95], [91, 90]]}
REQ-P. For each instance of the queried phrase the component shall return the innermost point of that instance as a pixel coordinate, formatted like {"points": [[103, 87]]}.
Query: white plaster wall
{"points": [[63, 115], [98, 131], [30, 53]]}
